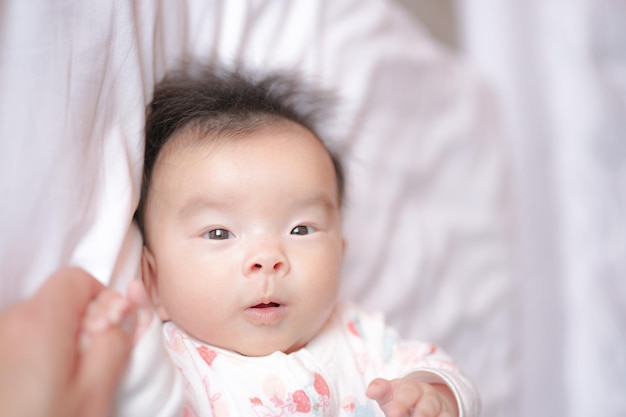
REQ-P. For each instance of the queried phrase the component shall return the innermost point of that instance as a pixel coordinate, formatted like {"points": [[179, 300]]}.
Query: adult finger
{"points": [[61, 302], [58, 308], [67, 292], [39, 343]]}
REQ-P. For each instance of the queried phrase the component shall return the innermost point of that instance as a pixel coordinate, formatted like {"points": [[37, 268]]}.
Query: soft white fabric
{"points": [[152, 386], [560, 72], [426, 210], [328, 377]]}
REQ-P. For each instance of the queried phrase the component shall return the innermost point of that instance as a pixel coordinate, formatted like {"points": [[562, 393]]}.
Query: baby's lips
{"points": [[266, 305]]}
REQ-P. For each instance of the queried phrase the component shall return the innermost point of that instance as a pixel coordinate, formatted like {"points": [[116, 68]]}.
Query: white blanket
{"points": [[426, 214]]}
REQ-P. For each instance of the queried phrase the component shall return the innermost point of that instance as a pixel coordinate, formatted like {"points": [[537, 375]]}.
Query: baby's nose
{"points": [[267, 260], [267, 264]]}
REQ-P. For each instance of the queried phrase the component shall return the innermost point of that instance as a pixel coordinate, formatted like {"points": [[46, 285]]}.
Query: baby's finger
{"points": [[108, 309], [396, 398], [407, 395], [380, 390], [428, 406], [138, 297], [102, 365]]}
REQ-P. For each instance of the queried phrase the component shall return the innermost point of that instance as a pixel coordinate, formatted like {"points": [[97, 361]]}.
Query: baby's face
{"points": [[244, 238]]}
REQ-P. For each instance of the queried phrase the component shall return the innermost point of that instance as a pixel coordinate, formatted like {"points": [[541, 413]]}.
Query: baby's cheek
{"points": [[173, 303], [191, 309]]}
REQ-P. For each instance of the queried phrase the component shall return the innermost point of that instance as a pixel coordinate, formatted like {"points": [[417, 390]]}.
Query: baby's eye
{"points": [[218, 234], [302, 230]]}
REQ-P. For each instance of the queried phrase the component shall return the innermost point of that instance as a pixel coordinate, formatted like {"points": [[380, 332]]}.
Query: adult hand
{"points": [[43, 370]]}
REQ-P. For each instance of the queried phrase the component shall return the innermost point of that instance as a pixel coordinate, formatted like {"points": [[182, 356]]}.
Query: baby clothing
{"points": [[328, 377]]}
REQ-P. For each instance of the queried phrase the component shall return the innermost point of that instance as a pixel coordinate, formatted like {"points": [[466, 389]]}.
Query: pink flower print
{"points": [[352, 407], [321, 386], [322, 402], [274, 388], [175, 340], [207, 354], [262, 410], [256, 401], [278, 403], [301, 401], [347, 404], [353, 329]]}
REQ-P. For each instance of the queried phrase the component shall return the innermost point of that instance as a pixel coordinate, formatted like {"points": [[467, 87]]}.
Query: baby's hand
{"points": [[111, 309], [410, 397]]}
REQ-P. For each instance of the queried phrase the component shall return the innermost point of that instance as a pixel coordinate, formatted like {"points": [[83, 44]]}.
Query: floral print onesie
{"points": [[328, 377]]}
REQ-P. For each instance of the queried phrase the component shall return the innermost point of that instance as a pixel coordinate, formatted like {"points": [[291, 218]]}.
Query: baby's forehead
{"points": [[195, 144], [199, 136]]}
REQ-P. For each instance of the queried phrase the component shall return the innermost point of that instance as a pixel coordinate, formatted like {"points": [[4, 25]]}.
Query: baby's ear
{"points": [[149, 277]]}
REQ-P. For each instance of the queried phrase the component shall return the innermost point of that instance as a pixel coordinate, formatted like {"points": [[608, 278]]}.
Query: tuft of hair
{"points": [[221, 101]]}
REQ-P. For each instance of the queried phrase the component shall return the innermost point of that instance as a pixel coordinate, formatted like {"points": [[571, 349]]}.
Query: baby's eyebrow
{"points": [[322, 199], [200, 204], [196, 205]]}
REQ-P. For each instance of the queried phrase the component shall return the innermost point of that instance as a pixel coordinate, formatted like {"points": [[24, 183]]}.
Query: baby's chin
{"points": [[267, 349], [255, 344]]}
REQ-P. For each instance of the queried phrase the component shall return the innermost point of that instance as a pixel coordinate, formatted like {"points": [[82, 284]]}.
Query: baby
{"points": [[240, 213]]}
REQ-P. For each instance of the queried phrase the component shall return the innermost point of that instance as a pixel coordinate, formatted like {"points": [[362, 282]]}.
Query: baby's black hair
{"points": [[221, 101]]}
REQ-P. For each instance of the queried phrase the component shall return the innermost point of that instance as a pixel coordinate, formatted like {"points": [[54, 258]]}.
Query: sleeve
{"points": [[152, 386], [467, 398], [383, 354]]}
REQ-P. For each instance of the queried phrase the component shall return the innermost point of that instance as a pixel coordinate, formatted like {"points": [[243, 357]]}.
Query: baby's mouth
{"points": [[266, 305], [267, 313]]}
